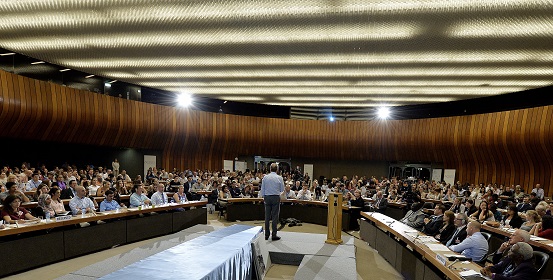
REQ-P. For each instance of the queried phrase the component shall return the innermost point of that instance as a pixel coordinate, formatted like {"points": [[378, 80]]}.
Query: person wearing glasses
{"points": [[517, 265]]}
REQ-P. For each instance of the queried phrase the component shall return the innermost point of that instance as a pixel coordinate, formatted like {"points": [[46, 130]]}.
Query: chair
{"points": [[220, 208], [486, 235], [541, 260]]}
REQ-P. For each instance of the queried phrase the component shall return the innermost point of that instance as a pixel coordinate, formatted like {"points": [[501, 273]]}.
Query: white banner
{"points": [[240, 166], [149, 162], [228, 165], [437, 175], [449, 176]]}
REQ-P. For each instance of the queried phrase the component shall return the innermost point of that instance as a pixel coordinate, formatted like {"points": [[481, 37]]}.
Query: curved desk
{"points": [[404, 251], [315, 212], [34, 245]]}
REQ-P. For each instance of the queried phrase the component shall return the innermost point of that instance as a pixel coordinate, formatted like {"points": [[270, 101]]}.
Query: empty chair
{"points": [[541, 260]]}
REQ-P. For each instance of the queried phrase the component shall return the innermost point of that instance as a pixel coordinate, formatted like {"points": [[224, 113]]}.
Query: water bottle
{"points": [[47, 215], [83, 212]]}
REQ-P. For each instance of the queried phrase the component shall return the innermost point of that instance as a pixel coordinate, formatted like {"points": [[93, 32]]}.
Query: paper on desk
{"points": [[437, 247], [536, 238], [469, 272]]}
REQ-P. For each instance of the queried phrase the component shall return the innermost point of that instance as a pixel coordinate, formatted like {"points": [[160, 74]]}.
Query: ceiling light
{"points": [[89, 76], [383, 113], [65, 70], [184, 99], [331, 118], [113, 81], [108, 85], [37, 62], [5, 54]]}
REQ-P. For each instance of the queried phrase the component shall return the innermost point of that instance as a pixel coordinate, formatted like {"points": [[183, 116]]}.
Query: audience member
{"points": [[538, 190], [512, 219], [109, 203], [518, 235], [525, 204], [138, 198], [45, 206], [57, 204], [304, 193], [415, 217], [180, 196], [13, 212], [433, 224], [457, 206], [475, 246], [518, 265], [532, 218], [448, 227], [483, 214], [543, 229], [11, 189], [288, 193], [159, 197], [81, 203]]}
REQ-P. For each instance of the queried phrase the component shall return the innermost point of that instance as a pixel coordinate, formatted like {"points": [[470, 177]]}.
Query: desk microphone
{"points": [[454, 262]]}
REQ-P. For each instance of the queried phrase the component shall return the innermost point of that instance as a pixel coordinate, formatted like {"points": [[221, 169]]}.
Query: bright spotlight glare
{"points": [[383, 113], [184, 99], [331, 118]]}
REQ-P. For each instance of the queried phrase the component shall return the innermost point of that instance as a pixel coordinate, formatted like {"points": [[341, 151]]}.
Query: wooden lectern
{"points": [[334, 219]]}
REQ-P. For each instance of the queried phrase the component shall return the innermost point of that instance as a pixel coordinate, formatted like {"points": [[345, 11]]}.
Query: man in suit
{"points": [[470, 208], [518, 235], [457, 206], [460, 233], [70, 191], [518, 265], [380, 204], [415, 217], [525, 205], [433, 224]]}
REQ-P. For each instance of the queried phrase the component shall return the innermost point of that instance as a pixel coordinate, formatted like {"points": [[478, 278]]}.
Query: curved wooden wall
{"points": [[513, 147]]}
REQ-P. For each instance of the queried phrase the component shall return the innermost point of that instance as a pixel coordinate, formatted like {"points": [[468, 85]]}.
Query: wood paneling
{"points": [[512, 147]]}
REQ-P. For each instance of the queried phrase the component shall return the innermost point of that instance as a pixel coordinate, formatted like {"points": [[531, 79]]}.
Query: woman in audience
{"points": [[44, 206], [319, 194], [56, 204], [121, 188], [224, 194], [532, 218], [483, 214], [544, 229], [512, 219], [357, 200], [448, 227], [102, 190], [13, 212], [42, 189], [450, 195], [497, 215], [247, 191], [393, 197], [138, 197], [180, 196]]}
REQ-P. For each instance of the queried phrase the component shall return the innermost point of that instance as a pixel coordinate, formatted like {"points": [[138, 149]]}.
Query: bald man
{"points": [[518, 235], [80, 203], [272, 186], [475, 246]]}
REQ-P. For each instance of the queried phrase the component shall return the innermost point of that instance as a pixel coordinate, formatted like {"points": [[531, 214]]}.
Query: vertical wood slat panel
{"points": [[513, 147]]}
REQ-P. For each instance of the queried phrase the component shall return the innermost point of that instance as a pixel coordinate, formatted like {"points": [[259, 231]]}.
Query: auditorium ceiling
{"points": [[301, 53]]}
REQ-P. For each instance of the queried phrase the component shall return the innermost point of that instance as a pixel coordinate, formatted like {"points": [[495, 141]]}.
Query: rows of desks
{"points": [[315, 212], [406, 250], [34, 245]]}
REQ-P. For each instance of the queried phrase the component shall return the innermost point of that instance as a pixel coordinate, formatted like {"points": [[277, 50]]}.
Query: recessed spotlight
{"points": [[383, 113], [65, 70], [113, 81], [89, 76], [37, 62], [184, 99], [108, 85], [5, 54], [225, 102], [331, 118]]}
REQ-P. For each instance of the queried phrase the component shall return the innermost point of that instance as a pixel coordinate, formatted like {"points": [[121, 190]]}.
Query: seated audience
{"points": [[357, 200], [224, 194], [543, 229], [11, 189], [159, 197], [304, 193], [81, 203], [70, 191], [518, 235], [460, 233], [13, 212], [42, 189], [319, 194], [94, 186], [475, 246], [525, 204], [138, 196], [102, 190], [34, 183], [57, 204], [380, 204], [109, 203], [512, 219], [180, 196], [457, 206], [247, 191], [470, 208], [448, 227], [44, 205], [483, 214], [518, 265], [415, 217], [541, 210], [433, 224], [288, 193], [532, 218]]}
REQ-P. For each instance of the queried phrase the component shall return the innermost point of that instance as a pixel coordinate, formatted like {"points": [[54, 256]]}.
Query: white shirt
{"points": [[159, 198], [304, 195]]}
